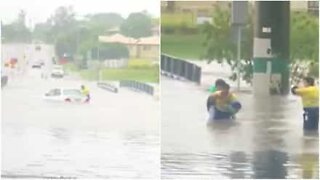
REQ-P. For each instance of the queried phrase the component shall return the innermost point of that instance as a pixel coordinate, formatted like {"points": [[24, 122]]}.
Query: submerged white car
{"points": [[65, 95]]}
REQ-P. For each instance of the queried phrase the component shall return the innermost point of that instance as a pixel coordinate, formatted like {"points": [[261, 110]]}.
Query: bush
{"points": [[140, 64], [168, 29], [188, 30], [314, 70]]}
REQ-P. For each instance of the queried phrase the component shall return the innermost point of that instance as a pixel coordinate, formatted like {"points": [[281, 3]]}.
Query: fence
{"points": [[177, 67], [138, 86], [120, 63], [108, 87]]}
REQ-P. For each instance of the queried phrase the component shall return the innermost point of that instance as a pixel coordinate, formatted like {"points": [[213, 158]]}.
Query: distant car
{"points": [[65, 95], [57, 71], [37, 64]]}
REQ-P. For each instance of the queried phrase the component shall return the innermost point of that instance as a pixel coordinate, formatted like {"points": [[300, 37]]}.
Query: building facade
{"points": [[144, 48]]}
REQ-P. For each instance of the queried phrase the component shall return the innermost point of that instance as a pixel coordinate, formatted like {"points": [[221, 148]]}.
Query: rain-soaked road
{"points": [[115, 136], [265, 142]]}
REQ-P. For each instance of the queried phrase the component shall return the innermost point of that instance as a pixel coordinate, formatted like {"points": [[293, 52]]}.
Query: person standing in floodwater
{"points": [[310, 100], [222, 104], [85, 91]]}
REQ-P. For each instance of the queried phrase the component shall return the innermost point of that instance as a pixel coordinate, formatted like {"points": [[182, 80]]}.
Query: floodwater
{"points": [[116, 136], [266, 140]]}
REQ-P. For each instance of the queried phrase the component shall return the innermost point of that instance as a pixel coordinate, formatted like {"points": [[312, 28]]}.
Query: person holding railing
{"points": [[310, 100], [85, 91]]}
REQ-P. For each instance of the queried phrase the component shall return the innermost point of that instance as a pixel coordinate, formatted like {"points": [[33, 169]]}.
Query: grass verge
{"points": [[138, 69], [183, 45]]}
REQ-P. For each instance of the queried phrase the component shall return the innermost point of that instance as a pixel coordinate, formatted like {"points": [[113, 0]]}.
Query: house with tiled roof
{"points": [[145, 47]]}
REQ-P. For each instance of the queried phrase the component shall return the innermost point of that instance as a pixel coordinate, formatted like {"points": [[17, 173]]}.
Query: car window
{"points": [[74, 92], [54, 92]]}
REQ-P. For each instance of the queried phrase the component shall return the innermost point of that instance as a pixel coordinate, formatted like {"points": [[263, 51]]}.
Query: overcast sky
{"points": [[40, 10]]}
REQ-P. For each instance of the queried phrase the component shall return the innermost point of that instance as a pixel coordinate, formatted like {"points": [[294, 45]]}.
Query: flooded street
{"points": [[265, 141], [116, 136]]}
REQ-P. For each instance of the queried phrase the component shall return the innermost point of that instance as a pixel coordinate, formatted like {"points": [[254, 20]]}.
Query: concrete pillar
{"points": [[271, 48]]}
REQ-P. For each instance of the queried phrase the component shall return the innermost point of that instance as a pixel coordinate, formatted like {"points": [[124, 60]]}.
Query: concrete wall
{"points": [[144, 51]]}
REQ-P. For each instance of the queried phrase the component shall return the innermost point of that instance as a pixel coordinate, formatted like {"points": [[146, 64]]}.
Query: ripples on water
{"points": [[266, 140], [105, 139], [260, 165]]}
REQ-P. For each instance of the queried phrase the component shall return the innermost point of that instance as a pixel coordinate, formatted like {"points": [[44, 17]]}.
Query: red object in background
{"points": [[13, 61], [63, 61]]}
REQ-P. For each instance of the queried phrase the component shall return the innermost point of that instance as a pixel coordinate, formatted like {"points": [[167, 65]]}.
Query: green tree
{"points": [[17, 30], [107, 20], [72, 36], [137, 25], [220, 44], [42, 32], [65, 31], [95, 26], [304, 35]]}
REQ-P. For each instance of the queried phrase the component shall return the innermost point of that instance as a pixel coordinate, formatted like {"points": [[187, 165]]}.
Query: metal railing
{"points": [[138, 86], [108, 87], [173, 66]]}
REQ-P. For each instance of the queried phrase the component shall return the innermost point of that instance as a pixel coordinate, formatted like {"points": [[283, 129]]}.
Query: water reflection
{"points": [[270, 164], [265, 141], [240, 167], [309, 165]]}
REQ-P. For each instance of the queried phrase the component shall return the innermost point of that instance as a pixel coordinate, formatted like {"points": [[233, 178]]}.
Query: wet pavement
{"points": [[265, 141], [116, 136]]}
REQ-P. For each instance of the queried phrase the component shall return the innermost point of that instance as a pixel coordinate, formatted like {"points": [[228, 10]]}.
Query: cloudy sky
{"points": [[40, 10]]}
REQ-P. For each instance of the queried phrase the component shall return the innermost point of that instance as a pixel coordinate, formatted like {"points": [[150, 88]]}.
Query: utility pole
{"points": [[271, 47], [238, 57], [99, 63], [239, 19]]}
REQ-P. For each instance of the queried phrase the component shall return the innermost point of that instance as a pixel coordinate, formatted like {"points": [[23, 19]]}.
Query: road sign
{"points": [[239, 12]]}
